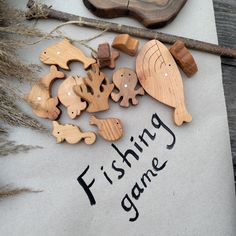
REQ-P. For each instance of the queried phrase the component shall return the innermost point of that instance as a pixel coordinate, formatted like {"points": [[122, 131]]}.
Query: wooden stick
{"points": [[37, 11]]}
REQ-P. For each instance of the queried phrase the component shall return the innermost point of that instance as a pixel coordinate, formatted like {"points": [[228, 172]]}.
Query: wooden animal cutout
{"points": [[160, 78], [68, 97], [126, 80], [40, 99], [105, 56], [95, 90], [126, 44], [62, 53], [71, 134], [151, 13], [184, 58], [110, 129]]}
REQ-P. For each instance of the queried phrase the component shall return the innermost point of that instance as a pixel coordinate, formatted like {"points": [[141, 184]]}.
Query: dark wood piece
{"points": [[49, 13], [105, 56], [184, 58], [151, 13], [226, 24]]}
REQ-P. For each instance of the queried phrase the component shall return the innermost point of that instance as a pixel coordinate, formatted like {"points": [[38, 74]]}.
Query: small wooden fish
{"points": [[72, 134], [40, 99], [160, 77], [68, 97], [62, 53], [110, 129]]}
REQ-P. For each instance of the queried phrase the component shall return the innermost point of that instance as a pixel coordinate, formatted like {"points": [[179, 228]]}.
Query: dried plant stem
{"points": [[7, 191], [47, 12]]}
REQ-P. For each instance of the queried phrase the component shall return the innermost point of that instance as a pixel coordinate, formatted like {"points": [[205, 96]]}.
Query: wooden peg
{"points": [[62, 53], [160, 77], [110, 129], [184, 58], [125, 81], [71, 134], [40, 99], [105, 56], [95, 90], [126, 44], [68, 97]]}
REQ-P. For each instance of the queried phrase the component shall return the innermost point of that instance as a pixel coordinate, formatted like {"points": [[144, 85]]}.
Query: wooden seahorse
{"points": [[72, 134]]}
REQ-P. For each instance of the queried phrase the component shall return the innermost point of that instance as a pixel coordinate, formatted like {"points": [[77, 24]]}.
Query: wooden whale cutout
{"points": [[62, 53], [159, 75], [151, 13], [40, 99]]}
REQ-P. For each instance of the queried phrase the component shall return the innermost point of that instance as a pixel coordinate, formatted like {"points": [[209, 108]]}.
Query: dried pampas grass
{"points": [[8, 191]]}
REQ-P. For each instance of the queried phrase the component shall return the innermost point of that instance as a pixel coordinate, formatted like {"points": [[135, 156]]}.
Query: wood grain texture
{"points": [[184, 58], [71, 134], [62, 53], [160, 77], [125, 80], [95, 90], [126, 44], [225, 14], [39, 97], [110, 129], [68, 97], [151, 13]]}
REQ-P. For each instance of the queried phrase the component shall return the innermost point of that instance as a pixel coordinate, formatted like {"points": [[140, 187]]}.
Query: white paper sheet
{"points": [[192, 195]]}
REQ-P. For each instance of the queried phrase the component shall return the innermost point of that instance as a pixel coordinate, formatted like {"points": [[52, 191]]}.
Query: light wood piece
{"points": [[126, 44], [62, 53], [71, 134], [95, 90], [160, 77], [125, 81], [40, 99], [184, 58], [68, 97], [110, 129]]}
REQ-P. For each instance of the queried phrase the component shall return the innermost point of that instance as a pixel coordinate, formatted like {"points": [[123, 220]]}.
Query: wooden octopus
{"points": [[126, 80], [40, 99]]}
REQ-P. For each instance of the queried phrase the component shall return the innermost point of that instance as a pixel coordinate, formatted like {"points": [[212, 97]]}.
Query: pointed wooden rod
{"points": [[43, 11]]}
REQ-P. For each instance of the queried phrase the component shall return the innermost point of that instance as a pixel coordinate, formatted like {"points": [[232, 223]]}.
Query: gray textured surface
{"points": [[225, 14]]}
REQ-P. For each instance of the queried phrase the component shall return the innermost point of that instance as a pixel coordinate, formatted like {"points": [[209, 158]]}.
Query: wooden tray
{"points": [[151, 13]]}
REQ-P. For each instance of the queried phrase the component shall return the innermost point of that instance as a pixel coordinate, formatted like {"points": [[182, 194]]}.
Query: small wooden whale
{"points": [[62, 53], [40, 99], [68, 97], [126, 44], [110, 129], [126, 80], [96, 90], [184, 58], [72, 134], [160, 77]]}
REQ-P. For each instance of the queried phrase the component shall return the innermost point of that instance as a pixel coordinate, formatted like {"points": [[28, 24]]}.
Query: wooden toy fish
{"points": [[40, 99], [62, 53], [72, 134], [110, 129], [68, 97], [160, 77]]}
